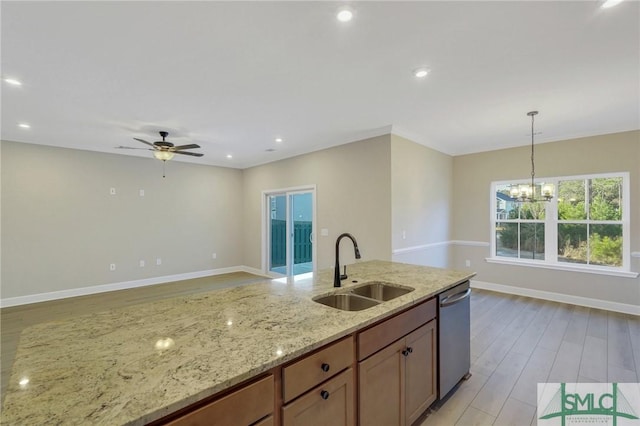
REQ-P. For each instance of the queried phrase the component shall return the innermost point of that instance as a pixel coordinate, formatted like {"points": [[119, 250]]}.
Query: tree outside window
{"points": [[590, 221]]}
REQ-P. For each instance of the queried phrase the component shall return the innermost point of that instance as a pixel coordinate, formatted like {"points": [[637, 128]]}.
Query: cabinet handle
{"points": [[324, 394], [410, 349], [325, 367], [405, 352]]}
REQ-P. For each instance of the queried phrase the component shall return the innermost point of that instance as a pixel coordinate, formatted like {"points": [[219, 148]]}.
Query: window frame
{"points": [[551, 223]]}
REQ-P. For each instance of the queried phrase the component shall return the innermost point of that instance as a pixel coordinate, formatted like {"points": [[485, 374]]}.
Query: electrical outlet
{"points": [[141, 192], [214, 256], [142, 263], [112, 191], [324, 232], [404, 234], [467, 263], [158, 261], [112, 267]]}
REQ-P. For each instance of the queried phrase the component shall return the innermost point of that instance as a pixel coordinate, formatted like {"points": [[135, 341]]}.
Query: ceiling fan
{"points": [[164, 150]]}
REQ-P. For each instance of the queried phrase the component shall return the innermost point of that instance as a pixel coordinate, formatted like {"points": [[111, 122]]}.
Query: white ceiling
{"points": [[233, 76]]}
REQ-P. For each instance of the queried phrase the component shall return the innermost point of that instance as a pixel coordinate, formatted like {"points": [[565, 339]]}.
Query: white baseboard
{"points": [[254, 271], [559, 297], [84, 291]]}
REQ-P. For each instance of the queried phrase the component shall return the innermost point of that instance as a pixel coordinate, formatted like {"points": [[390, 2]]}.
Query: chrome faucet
{"points": [[336, 276]]}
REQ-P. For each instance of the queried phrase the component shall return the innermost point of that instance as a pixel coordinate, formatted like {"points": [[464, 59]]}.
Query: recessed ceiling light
{"points": [[24, 125], [13, 81], [421, 72], [278, 140], [610, 3], [229, 156], [345, 15]]}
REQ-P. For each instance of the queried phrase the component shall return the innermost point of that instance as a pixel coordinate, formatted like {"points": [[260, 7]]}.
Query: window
{"points": [[590, 221], [585, 226]]}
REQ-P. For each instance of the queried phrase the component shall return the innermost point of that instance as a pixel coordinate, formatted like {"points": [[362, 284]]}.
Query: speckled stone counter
{"points": [[139, 363]]}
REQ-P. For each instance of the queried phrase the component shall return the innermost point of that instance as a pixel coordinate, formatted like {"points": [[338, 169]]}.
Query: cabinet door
{"points": [[421, 370], [330, 404], [381, 387]]}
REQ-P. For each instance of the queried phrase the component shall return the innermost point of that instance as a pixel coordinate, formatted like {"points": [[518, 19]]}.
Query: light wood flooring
{"points": [[516, 342]]}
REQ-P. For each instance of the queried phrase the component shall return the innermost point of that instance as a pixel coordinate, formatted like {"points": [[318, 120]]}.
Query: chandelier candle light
{"points": [[527, 193]]}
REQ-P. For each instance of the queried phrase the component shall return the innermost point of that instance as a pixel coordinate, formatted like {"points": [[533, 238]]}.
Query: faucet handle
{"points": [[344, 276]]}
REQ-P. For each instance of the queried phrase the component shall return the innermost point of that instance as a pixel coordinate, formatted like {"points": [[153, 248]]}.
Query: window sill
{"points": [[562, 267]]}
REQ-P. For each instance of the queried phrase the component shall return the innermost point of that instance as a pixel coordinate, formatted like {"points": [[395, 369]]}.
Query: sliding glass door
{"points": [[290, 229]]}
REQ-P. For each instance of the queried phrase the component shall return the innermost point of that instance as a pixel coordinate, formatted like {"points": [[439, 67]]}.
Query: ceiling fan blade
{"points": [[190, 146], [194, 154], [143, 141], [131, 147]]}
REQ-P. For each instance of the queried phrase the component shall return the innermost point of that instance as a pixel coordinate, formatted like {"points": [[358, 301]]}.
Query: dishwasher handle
{"points": [[455, 298]]}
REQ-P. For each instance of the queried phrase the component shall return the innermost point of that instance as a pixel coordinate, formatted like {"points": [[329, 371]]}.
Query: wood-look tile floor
{"points": [[517, 342]]}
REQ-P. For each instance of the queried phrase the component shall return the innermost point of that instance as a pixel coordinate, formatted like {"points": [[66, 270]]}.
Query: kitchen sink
{"points": [[346, 301], [364, 296], [381, 291]]}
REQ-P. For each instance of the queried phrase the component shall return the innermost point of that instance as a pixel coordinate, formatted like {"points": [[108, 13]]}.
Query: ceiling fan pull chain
{"points": [[163, 163]]}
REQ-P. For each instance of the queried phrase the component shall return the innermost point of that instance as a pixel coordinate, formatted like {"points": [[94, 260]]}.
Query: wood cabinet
{"points": [[313, 369], [330, 404], [245, 406], [421, 372], [318, 389], [381, 387], [269, 421], [398, 382]]}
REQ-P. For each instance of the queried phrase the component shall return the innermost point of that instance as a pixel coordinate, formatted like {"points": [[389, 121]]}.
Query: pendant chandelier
{"points": [[525, 192]]}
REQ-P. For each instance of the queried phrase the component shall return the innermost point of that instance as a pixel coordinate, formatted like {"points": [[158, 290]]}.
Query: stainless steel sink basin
{"points": [[364, 296], [346, 301], [381, 291]]}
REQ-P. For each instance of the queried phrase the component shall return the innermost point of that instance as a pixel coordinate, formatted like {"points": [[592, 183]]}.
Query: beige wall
{"points": [[472, 175], [61, 228], [421, 200], [353, 193]]}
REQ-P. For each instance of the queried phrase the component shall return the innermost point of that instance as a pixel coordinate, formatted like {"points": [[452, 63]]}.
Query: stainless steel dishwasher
{"points": [[454, 340]]}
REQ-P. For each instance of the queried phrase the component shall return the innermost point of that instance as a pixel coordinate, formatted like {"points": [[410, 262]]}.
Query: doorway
{"points": [[289, 222]]}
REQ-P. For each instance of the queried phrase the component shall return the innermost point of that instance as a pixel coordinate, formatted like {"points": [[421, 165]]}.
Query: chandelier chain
{"points": [[533, 166]]}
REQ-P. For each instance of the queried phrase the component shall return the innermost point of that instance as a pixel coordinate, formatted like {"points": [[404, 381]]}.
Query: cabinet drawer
{"points": [[314, 369], [243, 407], [332, 403], [266, 422], [377, 337]]}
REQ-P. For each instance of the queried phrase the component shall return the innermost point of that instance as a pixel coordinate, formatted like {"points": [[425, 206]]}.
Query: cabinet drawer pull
{"points": [[410, 349], [407, 351], [324, 394], [325, 367]]}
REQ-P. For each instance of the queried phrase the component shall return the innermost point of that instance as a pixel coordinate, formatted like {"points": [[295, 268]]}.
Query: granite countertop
{"points": [[136, 364]]}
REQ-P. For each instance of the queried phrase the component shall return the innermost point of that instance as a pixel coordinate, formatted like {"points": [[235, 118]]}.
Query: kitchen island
{"points": [[140, 363]]}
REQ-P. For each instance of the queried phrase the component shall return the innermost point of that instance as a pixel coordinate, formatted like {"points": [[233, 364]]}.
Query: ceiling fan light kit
{"points": [[163, 155]]}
